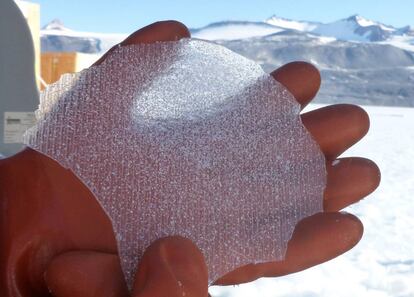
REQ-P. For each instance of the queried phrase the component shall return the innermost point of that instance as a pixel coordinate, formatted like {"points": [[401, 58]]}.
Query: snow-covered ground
{"points": [[382, 264]]}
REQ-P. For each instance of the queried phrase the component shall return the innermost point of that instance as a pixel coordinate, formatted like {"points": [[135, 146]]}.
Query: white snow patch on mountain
{"points": [[57, 30], [235, 30], [57, 25], [342, 29], [291, 24], [363, 22], [323, 39], [356, 28], [404, 42]]}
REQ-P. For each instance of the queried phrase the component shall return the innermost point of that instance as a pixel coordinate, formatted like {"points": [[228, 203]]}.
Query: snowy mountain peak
{"points": [[356, 28], [56, 24], [364, 22], [361, 21]]}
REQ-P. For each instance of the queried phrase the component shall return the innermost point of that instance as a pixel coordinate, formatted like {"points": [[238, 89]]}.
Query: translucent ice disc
{"points": [[186, 138]]}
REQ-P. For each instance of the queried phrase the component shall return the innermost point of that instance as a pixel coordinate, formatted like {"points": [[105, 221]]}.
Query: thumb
{"points": [[85, 274], [174, 267]]}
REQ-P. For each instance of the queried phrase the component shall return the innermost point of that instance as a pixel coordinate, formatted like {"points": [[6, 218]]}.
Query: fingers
{"points": [[86, 274], [315, 240], [172, 266], [349, 180], [318, 239], [337, 127], [301, 79], [159, 31]]}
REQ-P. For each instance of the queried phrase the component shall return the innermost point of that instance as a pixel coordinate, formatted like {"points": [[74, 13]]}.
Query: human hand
{"points": [[171, 266], [335, 128], [324, 236], [47, 212]]}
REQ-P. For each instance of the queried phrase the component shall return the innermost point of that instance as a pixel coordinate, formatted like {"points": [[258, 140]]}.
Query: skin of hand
{"points": [[55, 240]]}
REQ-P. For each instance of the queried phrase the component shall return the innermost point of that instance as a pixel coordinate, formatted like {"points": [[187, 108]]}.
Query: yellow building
{"points": [[54, 64]]}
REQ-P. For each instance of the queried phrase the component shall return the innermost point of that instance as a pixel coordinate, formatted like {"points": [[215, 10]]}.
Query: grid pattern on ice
{"points": [[186, 138]]}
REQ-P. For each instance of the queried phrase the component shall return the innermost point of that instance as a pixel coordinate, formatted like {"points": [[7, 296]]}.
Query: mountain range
{"points": [[361, 61], [354, 29]]}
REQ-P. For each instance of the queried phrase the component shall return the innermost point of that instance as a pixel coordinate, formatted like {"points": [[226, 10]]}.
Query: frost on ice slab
{"points": [[186, 138]]}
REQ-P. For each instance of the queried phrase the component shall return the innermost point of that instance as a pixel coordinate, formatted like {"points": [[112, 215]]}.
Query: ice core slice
{"points": [[186, 138]]}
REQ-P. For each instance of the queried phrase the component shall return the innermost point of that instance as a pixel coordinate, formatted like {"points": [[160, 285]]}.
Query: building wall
{"points": [[31, 11], [55, 64], [19, 96]]}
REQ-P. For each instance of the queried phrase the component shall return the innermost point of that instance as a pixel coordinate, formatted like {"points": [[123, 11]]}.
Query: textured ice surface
{"points": [[186, 138]]}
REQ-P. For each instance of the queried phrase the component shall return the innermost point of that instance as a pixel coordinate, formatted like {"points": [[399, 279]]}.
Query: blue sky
{"points": [[124, 16]]}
